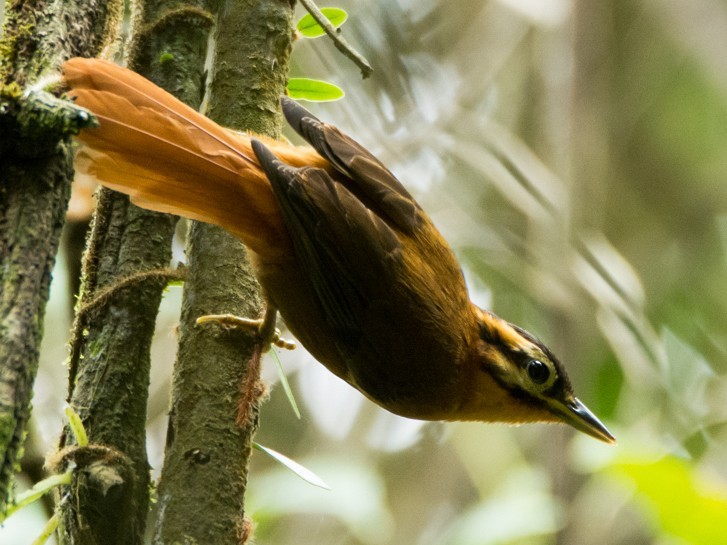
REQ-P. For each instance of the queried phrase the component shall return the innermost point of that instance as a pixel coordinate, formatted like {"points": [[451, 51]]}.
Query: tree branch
{"points": [[110, 360], [36, 169], [207, 448], [339, 41]]}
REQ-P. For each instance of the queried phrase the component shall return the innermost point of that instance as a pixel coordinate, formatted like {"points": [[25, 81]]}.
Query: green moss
{"points": [[11, 91], [166, 57], [8, 425], [19, 40], [33, 123], [7, 429]]}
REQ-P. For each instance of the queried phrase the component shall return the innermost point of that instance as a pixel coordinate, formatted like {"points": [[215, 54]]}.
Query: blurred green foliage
{"points": [[573, 153], [679, 499]]}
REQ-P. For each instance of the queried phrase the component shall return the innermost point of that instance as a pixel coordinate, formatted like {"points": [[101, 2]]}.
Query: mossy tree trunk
{"points": [[109, 362], [216, 378], [36, 170], [109, 368], [207, 451]]}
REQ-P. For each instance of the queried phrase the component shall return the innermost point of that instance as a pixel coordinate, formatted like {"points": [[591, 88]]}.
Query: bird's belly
{"points": [[402, 361], [286, 288]]}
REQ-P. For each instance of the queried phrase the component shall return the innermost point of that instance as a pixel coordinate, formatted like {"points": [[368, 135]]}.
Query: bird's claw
{"points": [[278, 341]]}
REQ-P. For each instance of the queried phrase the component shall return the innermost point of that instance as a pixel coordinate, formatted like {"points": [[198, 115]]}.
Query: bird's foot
{"points": [[269, 335]]}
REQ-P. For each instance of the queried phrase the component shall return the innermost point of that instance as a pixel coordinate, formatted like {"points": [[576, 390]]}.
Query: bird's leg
{"points": [[264, 327], [252, 387]]}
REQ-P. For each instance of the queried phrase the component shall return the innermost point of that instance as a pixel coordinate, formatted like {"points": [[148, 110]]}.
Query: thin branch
{"points": [[339, 41], [133, 280]]}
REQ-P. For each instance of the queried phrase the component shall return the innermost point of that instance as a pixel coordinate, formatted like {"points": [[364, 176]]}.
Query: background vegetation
{"points": [[573, 153]]}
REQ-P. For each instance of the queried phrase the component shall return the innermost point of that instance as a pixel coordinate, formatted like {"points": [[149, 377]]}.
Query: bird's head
{"points": [[517, 379]]}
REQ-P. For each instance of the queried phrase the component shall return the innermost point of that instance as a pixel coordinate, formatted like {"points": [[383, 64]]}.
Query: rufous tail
{"points": [[169, 158]]}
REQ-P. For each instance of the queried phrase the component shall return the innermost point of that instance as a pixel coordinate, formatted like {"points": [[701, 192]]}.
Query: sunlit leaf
{"points": [[686, 504], [302, 472], [313, 90], [308, 27]]}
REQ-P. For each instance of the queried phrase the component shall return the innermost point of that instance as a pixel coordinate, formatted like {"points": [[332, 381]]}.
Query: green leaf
{"points": [[48, 530], [308, 27], [77, 429], [38, 490], [285, 383], [688, 504], [313, 90], [302, 472]]}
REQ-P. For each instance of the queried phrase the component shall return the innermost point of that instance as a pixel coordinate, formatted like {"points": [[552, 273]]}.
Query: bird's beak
{"points": [[576, 414]]}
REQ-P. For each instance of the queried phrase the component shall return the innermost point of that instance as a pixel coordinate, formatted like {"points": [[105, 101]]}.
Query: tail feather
{"points": [[170, 158]]}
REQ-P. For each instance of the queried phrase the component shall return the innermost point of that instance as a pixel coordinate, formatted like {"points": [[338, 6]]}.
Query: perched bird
{"points": [[353, 264]]}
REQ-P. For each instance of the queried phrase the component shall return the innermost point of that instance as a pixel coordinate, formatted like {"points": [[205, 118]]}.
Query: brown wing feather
{"points": [[365, 175], [346, 252]]}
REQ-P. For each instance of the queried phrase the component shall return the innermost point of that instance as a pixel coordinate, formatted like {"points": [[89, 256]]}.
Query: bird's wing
{"points": [[345, 251], [365, 176]]}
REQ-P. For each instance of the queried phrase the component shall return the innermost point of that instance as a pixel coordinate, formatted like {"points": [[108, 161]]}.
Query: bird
{"points": [[353, 264]]}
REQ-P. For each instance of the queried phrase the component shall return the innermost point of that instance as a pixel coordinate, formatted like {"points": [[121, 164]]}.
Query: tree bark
{"points": [[216, 386], [36, 169], [109, 365]]}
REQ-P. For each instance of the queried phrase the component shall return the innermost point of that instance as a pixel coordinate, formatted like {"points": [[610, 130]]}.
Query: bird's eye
{"points": [[538, 371]]}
